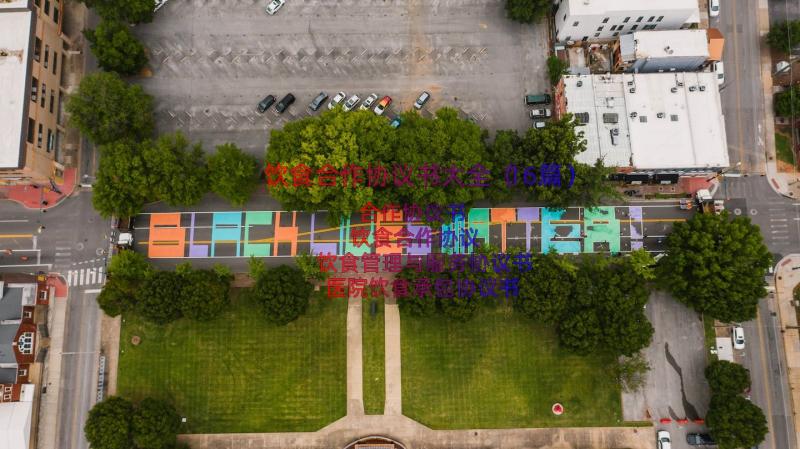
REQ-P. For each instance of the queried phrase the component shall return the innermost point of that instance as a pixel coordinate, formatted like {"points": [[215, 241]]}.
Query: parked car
{"points": [[699, 439], [396, 122], [368, 102], [382, 105], [351, 103], [284, 103], [422, 99], [663, 440], [738, 337], [719, 68], [713, 8], [337, 100], [539, 124], [265, 104], [537, 99], [317, 102], [274, 6], [541, 113]]}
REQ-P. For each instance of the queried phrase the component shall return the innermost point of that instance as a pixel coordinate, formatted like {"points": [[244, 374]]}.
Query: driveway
{"points": [[212, 61], [676, 387]]}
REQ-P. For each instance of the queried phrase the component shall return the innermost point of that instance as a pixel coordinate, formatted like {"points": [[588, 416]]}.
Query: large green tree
{"points": [[545, 291], [108, 425], [784, 36], [116, 48], [787, 103], [556, 68], [726, 377], [130, 266], [528, 11], [283, 292], [126, 272], [176, 170], [735, 422], [158, 298], [105, 109], [414, 304], [155, 425], [122, 186], [716, 266], [232, 173], [204, 294], [132, 11]]}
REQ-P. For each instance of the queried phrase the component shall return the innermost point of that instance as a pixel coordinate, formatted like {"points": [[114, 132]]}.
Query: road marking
{"points": [[63, 248], [93, 290], [80, 276], [779, 226], [778, 219], [62, 254], [15, 236], [90, 276], [766, 377], [13, 221]]}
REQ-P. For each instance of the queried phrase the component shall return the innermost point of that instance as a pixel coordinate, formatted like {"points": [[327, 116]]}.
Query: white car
{"points": [[719, 69], [664, 442], [368, 102], [713, 8], [351, 103], [337, 100], [274, 6], [738, 337]]}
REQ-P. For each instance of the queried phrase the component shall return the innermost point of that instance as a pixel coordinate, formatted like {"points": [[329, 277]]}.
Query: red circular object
{"points": [[557, 409]]}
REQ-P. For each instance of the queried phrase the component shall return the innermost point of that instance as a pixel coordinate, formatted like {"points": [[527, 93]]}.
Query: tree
{"points": [[414, 304], [727, 378], [283, 292], [131, 11], [642, 263], [158, 299], [631, 372], [116, 297], [527, 11], [735, 422], [116, 48], [122, 187], [204, 294], [108, 425], [309, 265], [106, 110], [580, 331], [784, 36], [787, 103], [176, 172], [716, 266], [232, 174], [545, 290], [129, 266], [155, 425], [556, 67]]}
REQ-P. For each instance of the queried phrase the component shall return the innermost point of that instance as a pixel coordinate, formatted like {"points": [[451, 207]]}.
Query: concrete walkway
{"points": [[355, 361], [49, 401], [393, 404], [785, 280]]}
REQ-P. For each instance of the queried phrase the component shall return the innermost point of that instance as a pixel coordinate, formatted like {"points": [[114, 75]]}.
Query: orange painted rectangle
{"points": [[167, 237]]}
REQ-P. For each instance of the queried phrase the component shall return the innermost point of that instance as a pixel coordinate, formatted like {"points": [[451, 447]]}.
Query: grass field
{"points": [[373, 356], [783, 148], [239, 373], [500, 370]]}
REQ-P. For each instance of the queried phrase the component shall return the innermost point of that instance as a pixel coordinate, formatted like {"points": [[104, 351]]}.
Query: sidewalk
{"points": [[47, 431], [355, 361], [785, 280], [41, 196]]}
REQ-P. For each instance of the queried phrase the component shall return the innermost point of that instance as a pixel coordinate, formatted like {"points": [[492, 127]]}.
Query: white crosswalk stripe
{"points": [[86, 276]]}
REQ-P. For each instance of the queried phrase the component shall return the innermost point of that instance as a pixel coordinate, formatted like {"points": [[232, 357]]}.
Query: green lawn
{"points": [[373, 347], [239, 373], [783, 147], [500, 370]]}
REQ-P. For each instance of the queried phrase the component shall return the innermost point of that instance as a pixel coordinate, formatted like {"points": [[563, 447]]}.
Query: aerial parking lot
{"points": [[212, 61]]}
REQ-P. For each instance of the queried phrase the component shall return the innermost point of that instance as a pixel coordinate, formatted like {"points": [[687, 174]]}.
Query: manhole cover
{"points": [[753, 212], [737, 211], [100, 251], [79, 246]]}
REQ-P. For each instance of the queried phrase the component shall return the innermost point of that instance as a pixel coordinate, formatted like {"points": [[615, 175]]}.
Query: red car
{"points": [[382, 105]]}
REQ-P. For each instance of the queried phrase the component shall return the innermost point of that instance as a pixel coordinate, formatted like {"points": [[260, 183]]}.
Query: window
{"points": [[25, 343], [585, 38], [52, 99], [660, 18], [22, 372], [6, 397], [37, 49], [634, 27], [55, 61], [51, 140], [626, 20], [47, 7], [46, 55], [568, 38], [34, 90], [640, 18], [596, 34], [28, 313], [615, 35], [39, 137], [31, 128], [651, 18], [605, 20], [613, 27], [619, 28], [649, 27], [55, 14], [599, 28], [44, 93], [575, 24]]}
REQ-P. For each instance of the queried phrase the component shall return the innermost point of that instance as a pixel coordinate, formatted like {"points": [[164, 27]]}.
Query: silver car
{"points": [[368, 102], [351, 103]]}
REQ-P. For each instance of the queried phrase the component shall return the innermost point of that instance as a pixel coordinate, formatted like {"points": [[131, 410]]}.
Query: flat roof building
{"points": [[661, 51], [654, 122], [599, 20]]}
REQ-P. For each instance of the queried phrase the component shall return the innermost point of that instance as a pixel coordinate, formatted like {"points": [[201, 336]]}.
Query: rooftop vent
{"points": [[660, 115], [579, 83], [668, 50], [642, 119], [674, 90], [632, 90], [673, 117], [692, 88], [680, 83], [634, 114], [702, 88]]}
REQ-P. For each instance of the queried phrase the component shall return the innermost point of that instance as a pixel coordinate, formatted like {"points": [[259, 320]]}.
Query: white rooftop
{"points": [[14, 4], [14, 41], [15, 424], [589, 7], [656, 127], [664, 44]]}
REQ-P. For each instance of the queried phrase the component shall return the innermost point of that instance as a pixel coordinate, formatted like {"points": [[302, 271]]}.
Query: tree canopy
{"points": [[106, 110], [556, 67], [116, 48], [726, 377], [205, 293], [784, 36], [176, 173], [122, 186], [130, 266], [108, 425], [716, 266], [547, 288], [116, 423], [528, 11], [131, 11], [787, 103], [283, 293], [735, 422], [158, 298], [232, 174], [155, 425]]}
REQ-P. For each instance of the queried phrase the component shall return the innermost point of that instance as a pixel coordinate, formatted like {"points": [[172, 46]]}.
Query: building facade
{"points": [[32, 54], [605, 20]]}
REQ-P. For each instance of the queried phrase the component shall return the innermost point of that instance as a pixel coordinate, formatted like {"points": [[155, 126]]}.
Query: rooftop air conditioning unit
{"points": [[702, 88], [632, 90], [579, 83], [692, 88], [634, 114], [680, 83], [630, 83], [674, 90], [660, 115]]}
